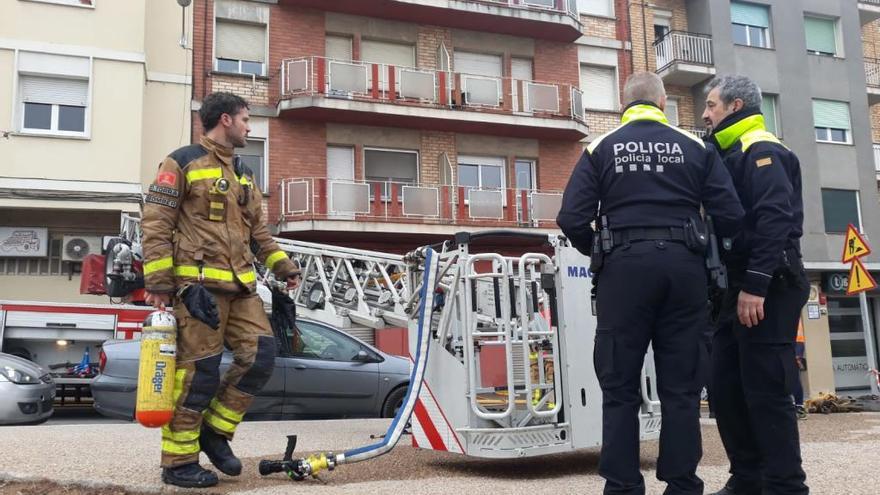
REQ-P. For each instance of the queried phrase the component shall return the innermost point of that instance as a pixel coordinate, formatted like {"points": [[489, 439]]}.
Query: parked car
{"points": [[320, 372], [27, 390]]}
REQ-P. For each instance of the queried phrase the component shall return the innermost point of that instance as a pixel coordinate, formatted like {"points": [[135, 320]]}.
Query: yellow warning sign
{"points": [[854, 246], [859, 279]]}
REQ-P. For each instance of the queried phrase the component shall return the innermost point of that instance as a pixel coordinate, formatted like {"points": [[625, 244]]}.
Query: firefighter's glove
{"points": [[283, 310], [201, 305]]}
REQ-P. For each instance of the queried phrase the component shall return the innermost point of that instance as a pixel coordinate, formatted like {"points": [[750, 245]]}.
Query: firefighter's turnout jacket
{"points": [[199, 219]]}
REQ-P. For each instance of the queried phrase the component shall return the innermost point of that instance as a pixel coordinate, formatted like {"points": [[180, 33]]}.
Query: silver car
{"points": [[320, 372], [27, 390]]}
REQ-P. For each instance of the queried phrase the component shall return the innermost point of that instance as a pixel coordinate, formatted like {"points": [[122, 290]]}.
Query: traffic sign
{"points": [[855, 245], [859, 279]]}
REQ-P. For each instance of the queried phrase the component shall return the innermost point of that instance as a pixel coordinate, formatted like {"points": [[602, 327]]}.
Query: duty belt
{"points": [[626, 236]]}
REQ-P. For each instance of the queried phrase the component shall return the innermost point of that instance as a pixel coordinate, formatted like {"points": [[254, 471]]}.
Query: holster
{"points": [[696, 238]]}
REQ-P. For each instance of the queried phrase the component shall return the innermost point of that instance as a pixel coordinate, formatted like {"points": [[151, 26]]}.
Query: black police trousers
{"points": [[651, 292], [753, 377]]}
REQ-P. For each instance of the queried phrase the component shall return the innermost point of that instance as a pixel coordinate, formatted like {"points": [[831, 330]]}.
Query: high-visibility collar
{"points": [[643, 111], [223, 153], [748, 130]]}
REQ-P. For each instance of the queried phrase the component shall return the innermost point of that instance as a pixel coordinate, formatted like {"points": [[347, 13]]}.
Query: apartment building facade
{"points": [[95, 93]]}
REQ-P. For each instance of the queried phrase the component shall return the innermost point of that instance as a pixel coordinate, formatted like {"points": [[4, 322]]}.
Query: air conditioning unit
{"points": [[76, 247]]}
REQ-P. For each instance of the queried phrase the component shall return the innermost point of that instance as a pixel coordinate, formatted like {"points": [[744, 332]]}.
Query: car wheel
{"points": [[393, 402]]}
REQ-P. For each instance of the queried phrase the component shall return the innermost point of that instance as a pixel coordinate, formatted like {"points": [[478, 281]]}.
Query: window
{"points": [[768, 108], [525, 174], [53, 94], [312, 341], [599, 85], [841, 208], [50, 265], [751, 24], [604, 8], [662, 23], [671, 111], [384, 52], [337, 47], [481, 172], [253, 157], [73, 3], [240, 48], [821, 35], [831, 120], [387, 166]]}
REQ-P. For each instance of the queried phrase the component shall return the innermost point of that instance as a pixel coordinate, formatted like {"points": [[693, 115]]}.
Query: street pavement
{"points": [[840, 457]]}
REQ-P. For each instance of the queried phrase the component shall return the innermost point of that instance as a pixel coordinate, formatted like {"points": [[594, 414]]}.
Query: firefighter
{"points": [[201, 215], [753, 363], [649, 179]]}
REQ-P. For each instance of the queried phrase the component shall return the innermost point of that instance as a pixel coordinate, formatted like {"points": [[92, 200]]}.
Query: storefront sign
{"points": [[24, 242], [837, 283]]}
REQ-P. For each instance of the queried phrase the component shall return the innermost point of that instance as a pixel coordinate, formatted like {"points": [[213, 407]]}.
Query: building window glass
{"points": [[841, 208], [481, 172], [832, 121], [240, 48], [525, 174], [50, 103], [253, 156], [751, 24]]}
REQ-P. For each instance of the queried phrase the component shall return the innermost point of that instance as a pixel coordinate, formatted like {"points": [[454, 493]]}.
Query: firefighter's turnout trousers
{"points": [[200, 393]]}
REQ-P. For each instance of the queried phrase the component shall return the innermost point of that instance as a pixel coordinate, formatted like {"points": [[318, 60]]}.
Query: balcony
{"points": [[556, 20], [872, 80], [321, 204], [355, 92], [684, 59], [869, 11]]}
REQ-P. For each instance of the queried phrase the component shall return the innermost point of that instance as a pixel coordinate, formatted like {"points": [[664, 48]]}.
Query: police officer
{"points": [[201, 215], [649, 179], [753, 351]]}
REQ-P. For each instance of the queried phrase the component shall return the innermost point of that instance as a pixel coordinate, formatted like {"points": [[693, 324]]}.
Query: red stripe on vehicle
{"points": [[428, 427]]}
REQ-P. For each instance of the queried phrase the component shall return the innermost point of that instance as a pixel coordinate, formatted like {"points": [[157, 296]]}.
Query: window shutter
{"points": [[820, 35], [599, 86], [671, 111], [338, 48], [750, 14], [831, 114], [390, 164], [73, 92], [479, 64], [596, 7], [239, 41], [383, 52]]}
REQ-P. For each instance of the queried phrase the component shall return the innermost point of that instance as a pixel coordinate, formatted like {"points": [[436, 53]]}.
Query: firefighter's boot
{"points": [[190, 475], [216, 447]]}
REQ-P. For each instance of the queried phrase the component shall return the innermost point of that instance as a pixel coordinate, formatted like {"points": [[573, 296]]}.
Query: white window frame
{"points": [[838, 37], [385, 196], [610, 3], [67, 3], [18, 114], [676, 101], [858, 208], [480, 162], [533, 177], [827, 132], [615, 104], [775, 99], [264, 166], [665, 18], [215, 59]]}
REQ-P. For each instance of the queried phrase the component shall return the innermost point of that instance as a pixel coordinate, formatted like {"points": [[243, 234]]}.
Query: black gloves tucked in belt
{"points": [[201, 305]]}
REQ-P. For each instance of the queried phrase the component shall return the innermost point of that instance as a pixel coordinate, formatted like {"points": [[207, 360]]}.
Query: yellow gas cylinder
{"points": [[155, 392]]}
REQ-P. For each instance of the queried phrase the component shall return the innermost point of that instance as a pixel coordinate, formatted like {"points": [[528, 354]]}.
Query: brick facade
{"points": [[255, 91], [432, 146], [430, 39], [871, 50]]}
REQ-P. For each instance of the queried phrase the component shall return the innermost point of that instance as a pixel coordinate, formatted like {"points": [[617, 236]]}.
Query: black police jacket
{"points": [[647, 173], [767, 176]]}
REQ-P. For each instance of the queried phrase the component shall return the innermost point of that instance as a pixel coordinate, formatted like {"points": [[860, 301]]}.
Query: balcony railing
{"points": [[872, 2], [560, 6], [699, 131], [872, 71], [320, 198], [679, 46], [364, 81]]}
